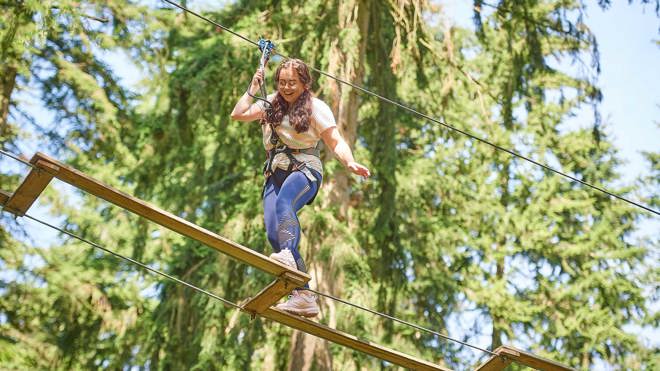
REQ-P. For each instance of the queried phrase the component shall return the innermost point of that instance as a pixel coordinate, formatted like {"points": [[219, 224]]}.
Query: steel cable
{"points": [[140, 264], [432, 119], [400, 321]]}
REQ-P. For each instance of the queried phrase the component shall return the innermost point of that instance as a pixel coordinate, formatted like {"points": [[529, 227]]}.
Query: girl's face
{"points": [[289, 84]]}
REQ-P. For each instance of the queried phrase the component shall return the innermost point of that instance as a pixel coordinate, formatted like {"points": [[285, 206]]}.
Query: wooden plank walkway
{"points": [[287, 279], [350, 341]]}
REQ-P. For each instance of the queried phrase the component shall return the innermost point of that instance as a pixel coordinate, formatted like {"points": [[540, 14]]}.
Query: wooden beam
{"points": [[350, 341], [287, 278], [269, 295], [532, 360], [495, 363], [4, 197], [28, 192], [507, 354], [80, 180]]}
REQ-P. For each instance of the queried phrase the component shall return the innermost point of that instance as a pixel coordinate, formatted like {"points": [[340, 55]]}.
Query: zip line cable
{"points": [[213, 22], [225, 301], [430, 118], [17, 158]]}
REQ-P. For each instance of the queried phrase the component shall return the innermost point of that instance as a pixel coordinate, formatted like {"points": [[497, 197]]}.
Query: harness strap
{"points": [[294, 164]]}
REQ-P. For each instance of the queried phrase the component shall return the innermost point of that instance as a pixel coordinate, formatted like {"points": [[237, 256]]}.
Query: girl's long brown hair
{"points": [[301, 110]]}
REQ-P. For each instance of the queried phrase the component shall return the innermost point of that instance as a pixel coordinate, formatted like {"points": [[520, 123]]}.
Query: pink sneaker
{"points": [[301, 303], [285, 257]]}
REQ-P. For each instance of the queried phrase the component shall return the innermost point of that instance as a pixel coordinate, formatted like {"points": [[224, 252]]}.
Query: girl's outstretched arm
{"points": [[333, 139]]}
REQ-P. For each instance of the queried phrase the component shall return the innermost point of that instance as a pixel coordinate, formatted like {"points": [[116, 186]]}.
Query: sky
{"points": [[629, 79], [630, 83]]}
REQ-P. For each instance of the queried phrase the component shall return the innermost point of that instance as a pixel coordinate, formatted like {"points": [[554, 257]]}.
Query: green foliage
{"points": [[446, 229]]}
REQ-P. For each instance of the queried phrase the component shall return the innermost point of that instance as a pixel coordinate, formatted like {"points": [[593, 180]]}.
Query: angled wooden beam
{"points": [[507, 354], [495, 363], [4, 197], [532, 360], [31, 187], [287, 277], [82, 181], [349, 341], [269, 295]]}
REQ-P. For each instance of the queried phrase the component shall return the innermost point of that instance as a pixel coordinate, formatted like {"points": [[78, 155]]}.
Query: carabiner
{"points": [[266, 47]]}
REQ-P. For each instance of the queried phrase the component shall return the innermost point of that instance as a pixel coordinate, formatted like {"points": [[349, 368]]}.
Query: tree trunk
{"points": [[344, 101], [7, 83], [498, 321], [347, 64]]}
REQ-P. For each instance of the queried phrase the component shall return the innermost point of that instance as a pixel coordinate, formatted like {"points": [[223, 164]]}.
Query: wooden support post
{"points": [[270, 295], [28, 192], [80, 180], [506, 355], [4, 197], [350, 341]]}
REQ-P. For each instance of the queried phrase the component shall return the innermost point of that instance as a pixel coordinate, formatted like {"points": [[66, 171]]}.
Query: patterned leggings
{"points": [[285, 194]]}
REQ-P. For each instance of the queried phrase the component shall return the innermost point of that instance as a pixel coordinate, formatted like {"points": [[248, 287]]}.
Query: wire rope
{"points": [[18, 158], [432, 119], [140, 264], [392, 318]]}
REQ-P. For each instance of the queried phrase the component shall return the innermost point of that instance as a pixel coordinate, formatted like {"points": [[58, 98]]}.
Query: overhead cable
{"points": [[430, 118], [17, 158]]}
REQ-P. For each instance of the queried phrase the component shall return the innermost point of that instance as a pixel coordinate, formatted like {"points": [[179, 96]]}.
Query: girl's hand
{"points": [[257, 80], [358, 169]]}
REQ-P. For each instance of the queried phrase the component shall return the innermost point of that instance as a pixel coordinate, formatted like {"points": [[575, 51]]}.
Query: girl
{"points": [[292, 125]]}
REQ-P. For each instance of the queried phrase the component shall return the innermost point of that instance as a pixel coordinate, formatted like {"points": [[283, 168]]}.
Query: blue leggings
{"points": [[285, 193]]}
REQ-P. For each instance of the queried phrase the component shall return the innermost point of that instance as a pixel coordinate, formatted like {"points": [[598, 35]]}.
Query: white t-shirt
{"points": [[321, 120]]}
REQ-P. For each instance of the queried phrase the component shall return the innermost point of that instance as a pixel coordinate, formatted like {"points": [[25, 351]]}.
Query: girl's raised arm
{"points": [[245, 110]]}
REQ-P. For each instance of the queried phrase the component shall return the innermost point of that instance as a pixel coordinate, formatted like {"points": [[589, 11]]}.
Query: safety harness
{"points": [[266, 47]]}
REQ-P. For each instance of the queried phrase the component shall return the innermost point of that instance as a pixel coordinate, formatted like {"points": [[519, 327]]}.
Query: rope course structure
{"points": [[428, 117], [44, 169]]}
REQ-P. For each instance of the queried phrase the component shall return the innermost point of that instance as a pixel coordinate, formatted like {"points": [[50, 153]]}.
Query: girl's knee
{"points": [[283, 207]]}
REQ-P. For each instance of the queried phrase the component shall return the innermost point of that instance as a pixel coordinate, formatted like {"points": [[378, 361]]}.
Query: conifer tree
{"points": [[68, 306], [447, 229]]}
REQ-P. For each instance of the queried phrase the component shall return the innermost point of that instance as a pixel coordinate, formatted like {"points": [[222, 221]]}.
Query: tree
{"points": [[59, 304], [447, 226]]}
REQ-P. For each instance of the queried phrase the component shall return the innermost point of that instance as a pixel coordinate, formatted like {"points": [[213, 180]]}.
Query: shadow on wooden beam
{"points": [[4, 197]]}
